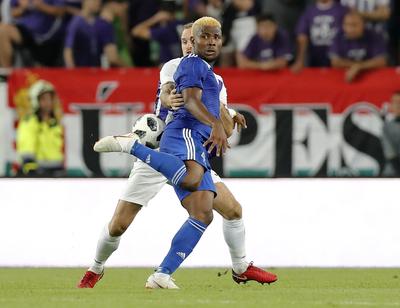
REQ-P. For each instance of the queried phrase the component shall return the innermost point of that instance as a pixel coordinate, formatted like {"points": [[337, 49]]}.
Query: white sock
{"points": [[234, 234], [106, 245]]}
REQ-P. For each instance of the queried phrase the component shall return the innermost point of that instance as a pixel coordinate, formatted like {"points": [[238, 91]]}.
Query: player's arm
{"points": [[193, 103], [169, 98], [227, 120]]}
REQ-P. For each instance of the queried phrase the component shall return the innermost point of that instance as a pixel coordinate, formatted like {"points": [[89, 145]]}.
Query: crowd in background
{"points": [[260, 34]]}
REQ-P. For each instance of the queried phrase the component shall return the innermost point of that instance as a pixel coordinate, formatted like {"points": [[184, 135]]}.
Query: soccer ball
{"points": [[149, 129]]}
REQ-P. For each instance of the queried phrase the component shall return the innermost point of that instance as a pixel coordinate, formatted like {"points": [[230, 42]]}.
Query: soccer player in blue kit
{"points": [[194, 128]]}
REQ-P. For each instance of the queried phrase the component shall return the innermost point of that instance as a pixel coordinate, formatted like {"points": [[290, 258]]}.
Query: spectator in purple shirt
{"points": [[162, 28], [88, 37], [356, 48], [37, 23], [315, 31], [268, 49]]}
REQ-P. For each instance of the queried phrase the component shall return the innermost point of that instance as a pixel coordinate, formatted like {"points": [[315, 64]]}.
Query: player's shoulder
{"points": [[195, 60], [171, 64]]}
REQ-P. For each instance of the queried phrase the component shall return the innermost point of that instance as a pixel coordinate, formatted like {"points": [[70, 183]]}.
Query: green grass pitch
{"points": [[305, 287]]}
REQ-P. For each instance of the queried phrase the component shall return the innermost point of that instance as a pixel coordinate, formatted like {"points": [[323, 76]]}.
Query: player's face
{"points": [[395, 104], [186, 42], [267, 30], [208, 43], [353, 26]]}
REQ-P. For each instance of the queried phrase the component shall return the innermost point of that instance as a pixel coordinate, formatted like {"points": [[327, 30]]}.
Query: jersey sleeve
{"points": [[167, 71], [191, 73]]}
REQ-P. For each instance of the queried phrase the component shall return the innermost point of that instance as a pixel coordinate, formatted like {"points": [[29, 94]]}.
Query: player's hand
{"points": [[239, 121], [217, 139], [352, 72], [175, 100]]}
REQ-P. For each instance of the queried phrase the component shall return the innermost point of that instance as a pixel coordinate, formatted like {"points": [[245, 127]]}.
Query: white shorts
{"points": [[144, 183]]}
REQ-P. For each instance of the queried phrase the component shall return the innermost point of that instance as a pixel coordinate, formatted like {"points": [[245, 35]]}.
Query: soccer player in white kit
{"points": [[144, 183]]}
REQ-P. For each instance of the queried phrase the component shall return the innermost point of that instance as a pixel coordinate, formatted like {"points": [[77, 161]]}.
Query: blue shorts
{"points": [[187, 144]]}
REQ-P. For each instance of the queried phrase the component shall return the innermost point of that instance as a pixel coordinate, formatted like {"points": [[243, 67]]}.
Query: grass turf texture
{"points": [[55, 287]]}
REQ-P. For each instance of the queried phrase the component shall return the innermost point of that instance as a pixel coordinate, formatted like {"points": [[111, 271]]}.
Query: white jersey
{"points": [[167, 75]]}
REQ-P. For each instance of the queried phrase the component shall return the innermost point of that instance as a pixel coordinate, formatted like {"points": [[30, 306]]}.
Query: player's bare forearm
{"points": [[193, 103], [227, 120]]}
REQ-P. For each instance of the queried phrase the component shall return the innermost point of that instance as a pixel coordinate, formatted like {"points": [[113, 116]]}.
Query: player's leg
{"points": [[171, 166], [143, 184], [108, 241], [9, 35], [234, 234], [233, 227], [199, 206]]}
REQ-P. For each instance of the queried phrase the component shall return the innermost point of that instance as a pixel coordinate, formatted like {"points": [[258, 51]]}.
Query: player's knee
{"points": [[191, 184], [117, 228], [235, 211], [206, 217]]}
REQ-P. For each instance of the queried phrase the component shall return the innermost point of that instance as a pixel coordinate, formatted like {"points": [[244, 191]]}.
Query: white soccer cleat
{"points": [[121, 143], [160, 281]]}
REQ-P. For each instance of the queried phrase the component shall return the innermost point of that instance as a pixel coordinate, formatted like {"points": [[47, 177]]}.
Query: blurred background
{"points": [[316, 80]]}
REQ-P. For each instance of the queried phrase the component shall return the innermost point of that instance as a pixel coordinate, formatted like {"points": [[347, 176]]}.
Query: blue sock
{"points": [[182, 245], [172, 167]]}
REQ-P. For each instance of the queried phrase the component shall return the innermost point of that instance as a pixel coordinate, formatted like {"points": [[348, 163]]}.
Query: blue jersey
{"points": [[194, 72]]}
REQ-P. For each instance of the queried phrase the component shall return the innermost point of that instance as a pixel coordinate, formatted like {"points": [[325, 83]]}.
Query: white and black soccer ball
{"points": [[149, 128]]}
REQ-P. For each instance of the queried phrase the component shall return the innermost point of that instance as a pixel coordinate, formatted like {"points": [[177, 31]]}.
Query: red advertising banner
{"points": [[307, 124], [244, 86]]}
